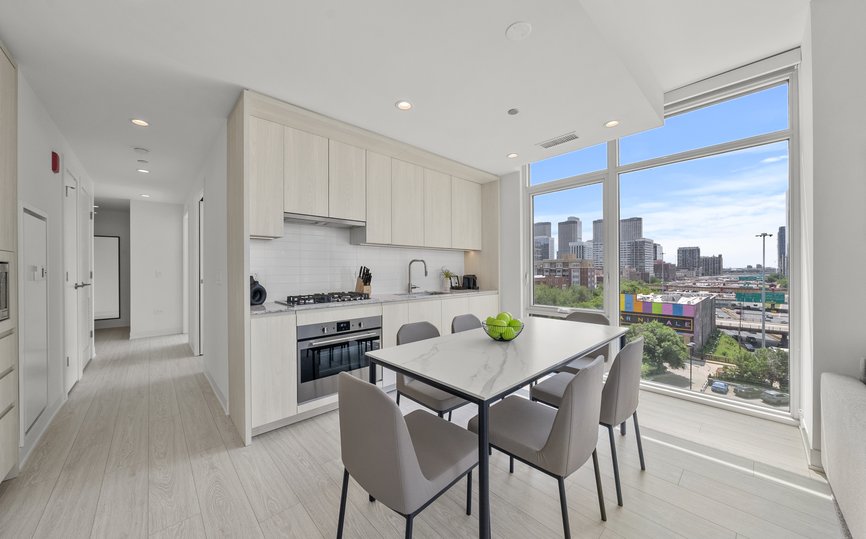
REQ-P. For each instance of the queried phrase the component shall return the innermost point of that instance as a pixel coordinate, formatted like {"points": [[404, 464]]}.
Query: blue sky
{"points": [[718, 203]]}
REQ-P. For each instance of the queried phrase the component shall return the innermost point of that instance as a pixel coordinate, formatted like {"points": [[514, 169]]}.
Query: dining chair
{"points": [[619, 398], [404, 462], [426, 395], [554, 441], [465, 322], [589, 318]]}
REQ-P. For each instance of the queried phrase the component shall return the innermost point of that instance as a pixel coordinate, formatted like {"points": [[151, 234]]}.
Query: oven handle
{"points": [[345, 339]]}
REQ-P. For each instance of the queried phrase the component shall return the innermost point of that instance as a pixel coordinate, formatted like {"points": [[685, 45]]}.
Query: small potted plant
{"points": [[447, 275]]}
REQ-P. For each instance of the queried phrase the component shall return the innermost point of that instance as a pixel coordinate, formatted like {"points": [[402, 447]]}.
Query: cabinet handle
{"points": [[7, 410], [344, 339], [6, 372], [6, 333]]}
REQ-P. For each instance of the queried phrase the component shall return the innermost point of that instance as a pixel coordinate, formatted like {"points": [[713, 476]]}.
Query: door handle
{"points": [[81, 285]]}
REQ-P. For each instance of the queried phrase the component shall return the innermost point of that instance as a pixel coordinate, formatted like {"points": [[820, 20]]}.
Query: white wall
{"points": [[115, 222], [836, 181], [310, 259], [513, 234], [156, 269], [40, 188]]}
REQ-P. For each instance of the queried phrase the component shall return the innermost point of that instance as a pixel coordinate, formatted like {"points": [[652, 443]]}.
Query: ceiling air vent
{"points": [[556, 141]]}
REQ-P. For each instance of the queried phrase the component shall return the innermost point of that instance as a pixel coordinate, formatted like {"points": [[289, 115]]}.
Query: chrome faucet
{"points": [[411, 286]]}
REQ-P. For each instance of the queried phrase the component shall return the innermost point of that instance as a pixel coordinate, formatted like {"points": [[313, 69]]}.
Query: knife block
{"points": [[361, 287]]}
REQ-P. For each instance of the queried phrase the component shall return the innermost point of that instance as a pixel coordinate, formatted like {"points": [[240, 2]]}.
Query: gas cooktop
{"points": [[327, 297]]}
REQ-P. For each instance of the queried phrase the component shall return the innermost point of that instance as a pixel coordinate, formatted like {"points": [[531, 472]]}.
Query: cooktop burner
{"points": [[329, 297]]}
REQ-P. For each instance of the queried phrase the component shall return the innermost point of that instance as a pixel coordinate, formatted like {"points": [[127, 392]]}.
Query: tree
{"points": [[634, 287], [570, 296], [662, 346]]}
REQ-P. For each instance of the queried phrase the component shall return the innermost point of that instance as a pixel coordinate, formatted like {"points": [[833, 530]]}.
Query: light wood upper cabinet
{"points": [[437, 209], [274, 368], [378, 198], [347, 184], [407, 203], [266, 178], [465, 214], [8, 155], [305, 173]]}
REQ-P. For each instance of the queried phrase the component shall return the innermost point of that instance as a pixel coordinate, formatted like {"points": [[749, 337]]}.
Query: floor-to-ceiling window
{"points": [[701, 243]]}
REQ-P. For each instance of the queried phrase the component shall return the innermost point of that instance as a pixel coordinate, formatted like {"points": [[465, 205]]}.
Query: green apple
{"points": [[515, 323], [497, 323], [495, 331], [506, 316], [509, 333], [491, 320]]}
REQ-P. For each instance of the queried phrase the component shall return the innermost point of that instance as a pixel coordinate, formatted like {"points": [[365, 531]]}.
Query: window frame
{"points": [[748, 79]]}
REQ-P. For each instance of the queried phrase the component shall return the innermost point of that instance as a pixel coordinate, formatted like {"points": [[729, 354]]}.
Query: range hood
{"points": [[322, 221]]}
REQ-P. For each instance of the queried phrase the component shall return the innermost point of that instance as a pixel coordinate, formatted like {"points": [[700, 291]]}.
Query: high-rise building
{"points": [[638, 255], [542, 229], [782, 251], [598, 243], [630, 229], [711, 265], [665, 271], [658, 252], [542, 248], [582, 250], [568, 231], [689, 258]]}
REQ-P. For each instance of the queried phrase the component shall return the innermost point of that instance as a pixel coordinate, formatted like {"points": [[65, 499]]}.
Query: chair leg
{"points": [[564, 508], [398, 398], [639, 444], [510, 464], [622, 428], [372, 499], [469, 493], [409, 519], [343, 503], [449, 416], [615, 466], [441, 414], [598, 485]]}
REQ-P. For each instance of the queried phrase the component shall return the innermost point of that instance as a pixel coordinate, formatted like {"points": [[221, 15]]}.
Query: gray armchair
{"points": [[465, 322], [589, 318], [556, 442], [404, 462]]}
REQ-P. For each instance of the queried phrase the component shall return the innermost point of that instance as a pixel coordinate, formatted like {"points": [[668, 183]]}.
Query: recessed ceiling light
{"points": [[95, 206], [143, 161], [513, 112], [142, 151], [144, 171], [518, 31], [403, 105], [612, 123], [144, 196], [511, 155], [139, 122]]}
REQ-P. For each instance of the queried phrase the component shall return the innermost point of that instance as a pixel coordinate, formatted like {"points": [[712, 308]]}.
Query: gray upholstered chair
{"points": [[404, 462], [588, 317], [556, 442], [619, 399], [465, 322], [437, 400]]}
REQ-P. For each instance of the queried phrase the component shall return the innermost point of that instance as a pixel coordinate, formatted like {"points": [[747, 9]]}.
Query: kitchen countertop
{"points": [[271, 307]]}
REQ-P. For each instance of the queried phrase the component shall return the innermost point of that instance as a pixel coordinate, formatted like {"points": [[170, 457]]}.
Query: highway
{"points": [[724, 323]]}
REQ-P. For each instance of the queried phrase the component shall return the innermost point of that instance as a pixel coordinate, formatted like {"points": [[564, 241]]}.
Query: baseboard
{"points": [[156, 333], [220, 397], [27, 449], [813, 456]]}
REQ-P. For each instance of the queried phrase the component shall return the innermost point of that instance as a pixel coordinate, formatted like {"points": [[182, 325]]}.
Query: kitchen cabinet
{"points": [[451, 307], [465, 214], [8, 401], [305, 173], [437, 209], [378, 229], [407, 203], [347, 181], [8, 155], [484, 306], [426, 310], [274, 368], [266, 178]]}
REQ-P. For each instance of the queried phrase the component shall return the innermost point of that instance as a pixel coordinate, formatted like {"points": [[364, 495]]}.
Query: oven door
{"points": [[5, 291], [321, 360]]}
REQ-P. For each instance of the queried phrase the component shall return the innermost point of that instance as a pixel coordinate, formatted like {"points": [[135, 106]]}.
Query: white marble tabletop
{"points": [[475, 365]]}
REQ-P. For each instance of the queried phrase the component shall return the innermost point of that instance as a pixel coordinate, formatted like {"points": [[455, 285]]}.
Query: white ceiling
{"points": [[180, 65]]}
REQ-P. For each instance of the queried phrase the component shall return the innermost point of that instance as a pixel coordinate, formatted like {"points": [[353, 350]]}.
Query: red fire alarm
{"points": [[55, 162]]}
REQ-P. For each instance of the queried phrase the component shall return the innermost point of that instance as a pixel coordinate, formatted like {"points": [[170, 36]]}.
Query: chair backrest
{"points": [[621, 390], [575, 429], [465, 322], [376, 446], [588, 317], [416, 331]]}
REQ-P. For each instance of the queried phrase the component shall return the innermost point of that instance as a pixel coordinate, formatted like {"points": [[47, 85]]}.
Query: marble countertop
{"points": [[271, 307], [475, 365]]}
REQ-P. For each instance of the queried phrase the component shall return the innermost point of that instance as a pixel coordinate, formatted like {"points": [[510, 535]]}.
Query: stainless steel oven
{"points": [[325, 350], [4, 291]]}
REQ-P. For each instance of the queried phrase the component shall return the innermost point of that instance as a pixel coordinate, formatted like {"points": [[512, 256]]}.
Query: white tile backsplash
{"points": [[310, 259]]}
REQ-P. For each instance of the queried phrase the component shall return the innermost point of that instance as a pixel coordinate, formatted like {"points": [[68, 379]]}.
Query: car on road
{"points": [[719, 387], [771, 396], [747, 392]]}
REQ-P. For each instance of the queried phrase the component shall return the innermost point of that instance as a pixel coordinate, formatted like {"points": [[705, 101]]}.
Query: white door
{"points": [[200, 275], [70, 280], [34, 323], [85, 275]]}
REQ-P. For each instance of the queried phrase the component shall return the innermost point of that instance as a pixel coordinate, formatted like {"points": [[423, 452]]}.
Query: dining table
{"points": [[473, 366]]}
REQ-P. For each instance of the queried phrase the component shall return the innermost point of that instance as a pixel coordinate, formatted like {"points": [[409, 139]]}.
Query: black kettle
{"points": [[258, 294]]}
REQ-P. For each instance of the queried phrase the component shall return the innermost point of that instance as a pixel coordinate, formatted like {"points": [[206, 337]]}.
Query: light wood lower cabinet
{"points": [[484, 306], [452, 307], [273, 353], [8, 403]]}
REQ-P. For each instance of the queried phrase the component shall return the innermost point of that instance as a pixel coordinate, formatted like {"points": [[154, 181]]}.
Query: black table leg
{"points": [[372, 373], [483, 472]]}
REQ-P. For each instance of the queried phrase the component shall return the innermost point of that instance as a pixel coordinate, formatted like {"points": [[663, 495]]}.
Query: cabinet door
{"points": [[484, 306], [378, 198], [305, 173], [266, 178], [465, 214], [437, 209], [426, 311], [407, 203], [8, 155], [347, 185], [274, 368], [8, 402], [452, 307]]}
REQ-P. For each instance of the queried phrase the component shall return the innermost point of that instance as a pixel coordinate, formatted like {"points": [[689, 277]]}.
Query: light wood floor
{"points": [[142, 448]]}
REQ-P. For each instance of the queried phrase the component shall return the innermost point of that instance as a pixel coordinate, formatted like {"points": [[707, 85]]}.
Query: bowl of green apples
{"points": [[502, 327]]}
